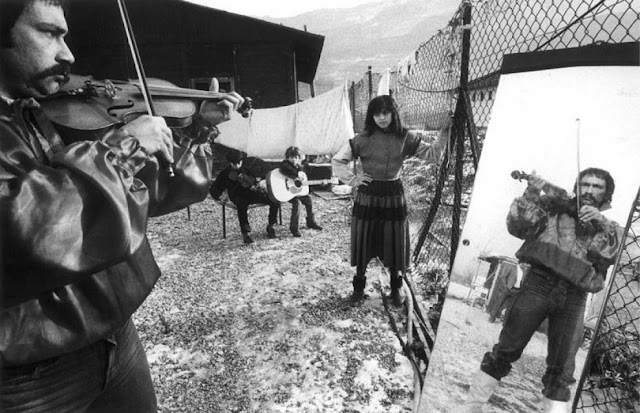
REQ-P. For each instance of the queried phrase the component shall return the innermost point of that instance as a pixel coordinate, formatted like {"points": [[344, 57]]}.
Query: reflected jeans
{"points": [[109, 376], [542, 295]]}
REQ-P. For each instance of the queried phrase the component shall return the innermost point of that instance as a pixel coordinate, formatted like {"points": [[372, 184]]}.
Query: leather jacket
{"points": [[76, 262]]}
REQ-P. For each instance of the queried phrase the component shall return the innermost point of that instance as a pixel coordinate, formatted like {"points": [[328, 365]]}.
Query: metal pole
{"points": [[352, 96], [295, 78], [458, 131], [370, 83]]}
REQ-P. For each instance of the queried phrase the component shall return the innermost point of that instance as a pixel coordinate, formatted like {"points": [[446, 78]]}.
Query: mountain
{"points": [[378, 34]]}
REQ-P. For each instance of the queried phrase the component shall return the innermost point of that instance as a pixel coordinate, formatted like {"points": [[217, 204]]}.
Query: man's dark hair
{"points": [[292, 152], [235, 156], [383, 104], [601, 174], [10, 12]]}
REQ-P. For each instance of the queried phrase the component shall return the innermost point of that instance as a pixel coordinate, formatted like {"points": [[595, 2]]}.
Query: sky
{"points": [[278, 8]]}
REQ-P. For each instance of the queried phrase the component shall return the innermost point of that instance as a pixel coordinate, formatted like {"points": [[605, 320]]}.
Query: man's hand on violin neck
{"points": [[216, 112], [154, 136], [536, 180]]}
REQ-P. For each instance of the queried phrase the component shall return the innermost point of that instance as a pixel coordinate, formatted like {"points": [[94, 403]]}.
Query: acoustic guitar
{"points": [[281, 188]]}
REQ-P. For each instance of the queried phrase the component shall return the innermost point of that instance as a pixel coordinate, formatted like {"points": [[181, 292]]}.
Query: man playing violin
{"points": [[76, 262], [241, 186], [568, 247]]}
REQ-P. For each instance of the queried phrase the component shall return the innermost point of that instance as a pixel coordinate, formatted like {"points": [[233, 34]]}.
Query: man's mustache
{"points": [[61, 69], [589, 197]]}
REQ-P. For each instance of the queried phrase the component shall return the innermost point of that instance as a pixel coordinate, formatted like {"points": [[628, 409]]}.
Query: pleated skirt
{"points": [[379, 226]]}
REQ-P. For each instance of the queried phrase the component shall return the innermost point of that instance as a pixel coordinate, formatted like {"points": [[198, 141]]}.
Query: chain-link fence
{"points": [[457, 71], [611, 379]]}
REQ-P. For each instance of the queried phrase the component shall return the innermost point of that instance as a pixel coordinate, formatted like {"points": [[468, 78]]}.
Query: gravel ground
{"points": [[465, 335], [267, 327]]}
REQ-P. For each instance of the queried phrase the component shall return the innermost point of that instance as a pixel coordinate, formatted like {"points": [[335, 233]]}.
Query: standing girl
{"points": [[379, 226]]}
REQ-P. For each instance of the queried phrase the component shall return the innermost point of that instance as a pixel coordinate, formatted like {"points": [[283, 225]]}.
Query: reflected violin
{"points": [[86, 104], [559, 199], [549, 188]]}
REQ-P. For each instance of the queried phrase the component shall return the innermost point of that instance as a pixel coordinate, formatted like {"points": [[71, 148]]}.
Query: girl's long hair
{"points": [[380, 104]]}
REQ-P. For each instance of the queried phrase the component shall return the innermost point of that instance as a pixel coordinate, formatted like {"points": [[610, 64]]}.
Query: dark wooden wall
{"points": [[178, 42]]}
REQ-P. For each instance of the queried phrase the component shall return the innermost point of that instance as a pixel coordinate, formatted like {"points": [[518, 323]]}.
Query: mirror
{"points": [[537, 120]]}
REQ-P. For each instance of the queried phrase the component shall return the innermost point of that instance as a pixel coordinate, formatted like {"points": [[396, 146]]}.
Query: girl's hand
{"points": [[362, 179]]}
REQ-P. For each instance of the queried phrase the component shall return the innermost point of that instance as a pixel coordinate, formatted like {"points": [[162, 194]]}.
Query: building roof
{"points": [[181, 22]]}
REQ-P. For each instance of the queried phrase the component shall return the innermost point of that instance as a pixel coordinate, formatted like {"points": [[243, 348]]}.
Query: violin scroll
{"points": [[550, 189], [246, 108], [519, 175]]}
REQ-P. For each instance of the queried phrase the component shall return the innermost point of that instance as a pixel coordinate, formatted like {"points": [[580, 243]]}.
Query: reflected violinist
{"points": [[76, 261], [568, 247], [582, 206]]}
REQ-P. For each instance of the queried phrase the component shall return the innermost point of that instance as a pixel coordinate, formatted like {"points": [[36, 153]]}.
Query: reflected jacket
{"points": [[555, 240], [76, 261]]}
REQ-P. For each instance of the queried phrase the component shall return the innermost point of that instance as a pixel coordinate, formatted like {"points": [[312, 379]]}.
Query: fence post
{"points": [[458, 130], [370, 83], [352, 98], [466, 45]]}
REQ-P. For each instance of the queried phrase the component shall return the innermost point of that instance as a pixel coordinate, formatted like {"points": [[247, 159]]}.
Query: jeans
{"points": [[295, 210], [542, 295], [109, 376], [242, 208]]}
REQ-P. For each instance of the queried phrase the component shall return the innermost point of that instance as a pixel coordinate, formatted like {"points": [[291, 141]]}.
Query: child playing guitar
{"points": [[292, 168]]}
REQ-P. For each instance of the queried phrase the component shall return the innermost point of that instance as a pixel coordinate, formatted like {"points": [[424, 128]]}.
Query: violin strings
{"points": [[170, 91]]}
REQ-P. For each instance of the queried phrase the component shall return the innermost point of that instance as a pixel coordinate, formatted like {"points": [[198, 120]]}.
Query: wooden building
{"points": [[187, 44]]}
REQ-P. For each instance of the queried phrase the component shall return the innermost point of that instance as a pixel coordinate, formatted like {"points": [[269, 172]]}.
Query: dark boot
{"points": [[358, 289], [271, 232], [294, 229], [247, 238], [312, 224], [396, 285]]}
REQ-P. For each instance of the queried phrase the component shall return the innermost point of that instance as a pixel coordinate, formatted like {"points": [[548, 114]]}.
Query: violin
{"points": [[245, 180], [554, 191], [97, 106], [86, 104]]}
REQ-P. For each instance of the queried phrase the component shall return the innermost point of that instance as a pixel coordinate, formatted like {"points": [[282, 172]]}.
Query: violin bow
{"points": [[137, 61]]}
